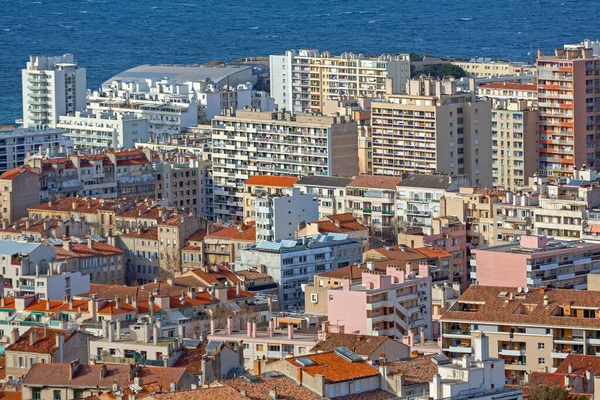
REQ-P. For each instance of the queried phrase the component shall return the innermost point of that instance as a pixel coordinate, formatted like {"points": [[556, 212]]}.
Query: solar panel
{"points": [[251, 378], [440, 359], [347, 354], [212, 345], [272, 374], [54, 242], [305, 362]]}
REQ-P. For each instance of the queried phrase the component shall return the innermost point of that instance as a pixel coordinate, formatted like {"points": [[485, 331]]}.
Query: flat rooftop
{"points": [[552, 246], [180, 73]]}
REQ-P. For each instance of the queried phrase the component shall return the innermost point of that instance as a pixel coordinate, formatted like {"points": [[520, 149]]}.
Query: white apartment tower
{"points": [[247, 143], [52, 87], [301, 81]]}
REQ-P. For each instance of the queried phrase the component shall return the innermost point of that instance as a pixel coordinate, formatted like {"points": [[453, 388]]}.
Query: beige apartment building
{"points": [[514, 144], [261, 186], [486, 68], [247, 143], [19, 189], [567, 94], [433, 127], [302, 81], [533, 330]]}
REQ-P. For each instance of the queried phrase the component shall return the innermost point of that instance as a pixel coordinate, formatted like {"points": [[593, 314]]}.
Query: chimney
{"points": [[118, 329], [545, 299], [229, 325], [111, 331], [103, 371], [14, 335], [570, 368], [290, 331], [191, 292], [74, 205], [134, 303], [249, 329], [32, 336], [118, 302], [155, 335], [271, 328], [68, 245], [5, 224], [60, 344], [254, 329], [28, 223], [90, 243], [237, 289], [48, 304], [212, 326], [73, 367]]}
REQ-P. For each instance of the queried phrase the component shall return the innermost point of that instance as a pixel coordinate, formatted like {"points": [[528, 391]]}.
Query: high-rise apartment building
{"points": [[247, 143], [568, 96], [52, 87], [514, 143], [301, 81], [433, 127]]}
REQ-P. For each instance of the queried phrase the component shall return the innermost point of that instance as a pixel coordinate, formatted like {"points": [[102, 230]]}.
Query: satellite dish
{"points": [[526, 289], [519, 289]]}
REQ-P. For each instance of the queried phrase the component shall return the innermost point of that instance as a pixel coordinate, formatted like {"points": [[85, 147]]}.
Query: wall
{"points": [[501, 269], [338, 310]]}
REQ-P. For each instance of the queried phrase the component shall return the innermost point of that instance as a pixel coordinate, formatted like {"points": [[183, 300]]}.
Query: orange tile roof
{"points": [[433, 252], [145, 233], [509, 86], [37, 225], [45, 342], [111, 308], [580, 364], [66, 205], [17, 172], [285, 388], [363, 345], [339, 224], [55, 306], [209, 276], [244, 232], [130, 153], [84, 251], [148, 211], [133, 161], [493, 309], [335, 368], [418, 370], [271, 180], [191, 359], [251, 274], [376, 182], [221, 392], [197, 236], [173, 219]]}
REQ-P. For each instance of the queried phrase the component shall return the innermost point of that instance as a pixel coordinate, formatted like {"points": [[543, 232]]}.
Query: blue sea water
{"points": [[108, 36]]}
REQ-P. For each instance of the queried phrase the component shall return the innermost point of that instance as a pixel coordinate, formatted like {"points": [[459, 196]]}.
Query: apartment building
{"points": [[372, 201], [302, 81], [536, 261], [531, 330], [19, 258], [567, 93], [184, 181], [212, 100], [514, 144], [433, 127], [104, 129], [418, 198], [486, 68], [293, 263], [17, 144], [515, 217], [223, 246], [508, 91], [20, 189], [263, 185], [247, 143], [340, 223], [333, 374], [449, 235], [40, 345], [38, 229], [393, 303], [330, 191], [73, 380], [271, 344], [279, 217], [52, 87]]}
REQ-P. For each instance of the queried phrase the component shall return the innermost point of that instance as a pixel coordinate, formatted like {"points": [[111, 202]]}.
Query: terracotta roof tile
{"points": [[145, 233], [418, 370], [191, 359], [376, 182], [363, 345], [17, 172], [335, 368], [37, 225], [271, 180], [45, 342], [509, 86], [90, 205], [285, 388], [221, 392], [251, 274], [492, 307], [244, 232], [580, 364]]}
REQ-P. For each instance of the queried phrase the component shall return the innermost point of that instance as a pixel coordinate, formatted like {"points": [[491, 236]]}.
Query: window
{"points": [[259, 347], [21, 362], [78, 394], [274, 348], [37, 394], [56, 395], [314, 298], [541, 360], [330, 298], [541, 346]]}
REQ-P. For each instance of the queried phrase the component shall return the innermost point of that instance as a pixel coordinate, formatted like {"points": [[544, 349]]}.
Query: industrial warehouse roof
{"points": [[179, 73]]}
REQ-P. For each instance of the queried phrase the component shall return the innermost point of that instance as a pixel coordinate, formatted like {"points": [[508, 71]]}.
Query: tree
{"points": [[170, 263], [543, 392], [444, 70]]}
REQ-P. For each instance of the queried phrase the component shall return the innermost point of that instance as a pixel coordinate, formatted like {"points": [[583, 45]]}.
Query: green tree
{"points": [[543, 392], [444, 70]]}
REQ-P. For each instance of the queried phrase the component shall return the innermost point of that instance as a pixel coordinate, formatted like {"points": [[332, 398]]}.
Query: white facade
{"points": [[15, 144], [278, 218], [166, 105], [52, 87], [246, 143], [293, 263], [473, 377], [104, 129], [55, 287], [18, 258], [212, 101], [301, 81]]}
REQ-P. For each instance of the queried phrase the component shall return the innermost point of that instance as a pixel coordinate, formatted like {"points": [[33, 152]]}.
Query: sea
{"points": [[109, 36]]}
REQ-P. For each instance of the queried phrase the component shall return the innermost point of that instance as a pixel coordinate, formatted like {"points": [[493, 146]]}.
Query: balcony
{"points": [[458, 349], [29, 288], [512, 352]]}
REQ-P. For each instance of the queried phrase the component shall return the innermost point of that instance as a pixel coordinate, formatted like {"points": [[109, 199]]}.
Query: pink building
{"points": [[536, 261], [449, 234], [394, 304]]}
